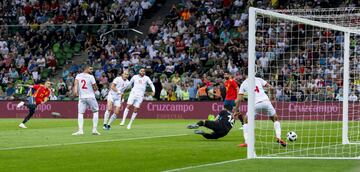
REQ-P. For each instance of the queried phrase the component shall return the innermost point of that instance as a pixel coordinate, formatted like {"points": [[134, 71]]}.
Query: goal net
{"points": [[311, 59]]}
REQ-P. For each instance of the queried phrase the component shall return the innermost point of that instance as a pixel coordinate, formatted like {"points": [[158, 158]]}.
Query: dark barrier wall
{"points": [[190, 110]]}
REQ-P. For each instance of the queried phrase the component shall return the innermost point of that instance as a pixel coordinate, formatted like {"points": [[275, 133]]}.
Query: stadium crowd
{"points": [[186, 52], [37, 37]]}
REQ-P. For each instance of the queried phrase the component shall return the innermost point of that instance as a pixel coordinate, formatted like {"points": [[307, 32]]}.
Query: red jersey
{"points": [[41, 92], [231, 87]]}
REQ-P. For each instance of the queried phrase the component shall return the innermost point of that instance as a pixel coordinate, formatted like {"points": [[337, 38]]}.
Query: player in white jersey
{"points": [[136, 96], [262, 105], [85, 86], [114, 97]]}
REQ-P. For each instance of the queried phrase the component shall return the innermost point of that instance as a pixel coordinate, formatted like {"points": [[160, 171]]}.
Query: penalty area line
{"points": [[91, 142], [205, 165]]}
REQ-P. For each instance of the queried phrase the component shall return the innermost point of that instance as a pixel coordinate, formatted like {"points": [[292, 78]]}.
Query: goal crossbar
{"points": [[303, 20]]}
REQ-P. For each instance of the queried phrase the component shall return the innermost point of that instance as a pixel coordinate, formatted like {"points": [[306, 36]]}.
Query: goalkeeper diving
{"points": [[221, 126]]}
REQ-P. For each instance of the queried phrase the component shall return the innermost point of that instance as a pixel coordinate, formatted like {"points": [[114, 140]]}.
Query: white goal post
{"points": [[319, 137]]}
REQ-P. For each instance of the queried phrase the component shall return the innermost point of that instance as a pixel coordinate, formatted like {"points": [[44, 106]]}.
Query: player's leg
{"points": [[245, 131], [109, 107], [277, 127], [81, 111], [130, 102], [95, 109], [113, 117], [31, 108], [213, 135], [205, 123], [137, 104], [259, 109], [196, 125], [231, 103], [218, 130]]}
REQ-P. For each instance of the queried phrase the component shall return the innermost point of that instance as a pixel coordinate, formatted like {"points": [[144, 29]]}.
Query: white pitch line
{"points": [[300, 150], [204, 165], [90, 142]]}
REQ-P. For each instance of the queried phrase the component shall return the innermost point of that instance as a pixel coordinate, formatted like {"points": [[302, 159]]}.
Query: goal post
{"points": [[327, 128]]}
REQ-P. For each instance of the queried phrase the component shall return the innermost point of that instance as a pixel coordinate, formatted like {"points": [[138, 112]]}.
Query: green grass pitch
{"points": [[152, 145]]}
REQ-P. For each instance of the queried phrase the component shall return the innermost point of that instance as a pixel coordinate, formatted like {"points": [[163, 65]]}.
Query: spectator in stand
{"points": [[353, 97], [10, 92], [185, 95], [2, 94], [62, 91], [163, 94], [192, 92], [202, 93], [153, 30]]}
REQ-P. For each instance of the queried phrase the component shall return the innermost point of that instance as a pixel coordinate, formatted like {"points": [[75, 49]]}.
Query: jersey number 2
{"points": [[84, 84]]}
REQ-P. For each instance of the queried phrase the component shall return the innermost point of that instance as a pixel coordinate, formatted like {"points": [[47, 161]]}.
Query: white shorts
{"points": [[116, 99], [84, 102], [264, 107], [135, 101]]}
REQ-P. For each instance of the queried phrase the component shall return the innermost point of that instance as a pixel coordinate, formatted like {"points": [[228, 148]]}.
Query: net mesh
{"points": [[304, 64]]}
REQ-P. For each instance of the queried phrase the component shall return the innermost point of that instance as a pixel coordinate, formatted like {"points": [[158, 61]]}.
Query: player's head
{"points": [[142, 72], [228, 107], [227, 75], [125, 75], [48, 84], [88, 69]]}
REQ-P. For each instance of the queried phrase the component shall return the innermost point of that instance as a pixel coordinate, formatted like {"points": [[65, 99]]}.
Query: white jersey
{"points": [[85, 85], [260, 94], [120, 85], [140, 83]]}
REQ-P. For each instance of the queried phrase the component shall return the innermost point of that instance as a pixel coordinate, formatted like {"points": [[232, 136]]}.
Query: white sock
{"points": [[245, 130], [81, 122], [126, 111], [277, 129], [133, 116], [112, 119], [95, 120], [106, 117]]}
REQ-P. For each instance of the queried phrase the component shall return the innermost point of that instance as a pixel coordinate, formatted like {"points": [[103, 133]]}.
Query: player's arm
{"points": [[268, 87], [25, 85], [239, 98], [76, 84], [236, 86], [113, 87], [95, 87], [93, 83], [131, 82], [152, 86]]}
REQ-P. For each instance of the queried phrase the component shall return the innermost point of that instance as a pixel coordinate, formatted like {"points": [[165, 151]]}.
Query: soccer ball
{"points": [[291, 136]]}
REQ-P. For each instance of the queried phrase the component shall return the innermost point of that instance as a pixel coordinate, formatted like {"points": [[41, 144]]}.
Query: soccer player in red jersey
{"points": [[41, 95], [231, 90]]}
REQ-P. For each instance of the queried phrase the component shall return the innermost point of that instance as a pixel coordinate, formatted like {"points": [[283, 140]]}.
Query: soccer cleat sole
{"points": [[192, 126]]}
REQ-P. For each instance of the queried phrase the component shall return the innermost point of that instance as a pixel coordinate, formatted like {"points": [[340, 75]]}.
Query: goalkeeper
{"points": [[220, 126]]}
